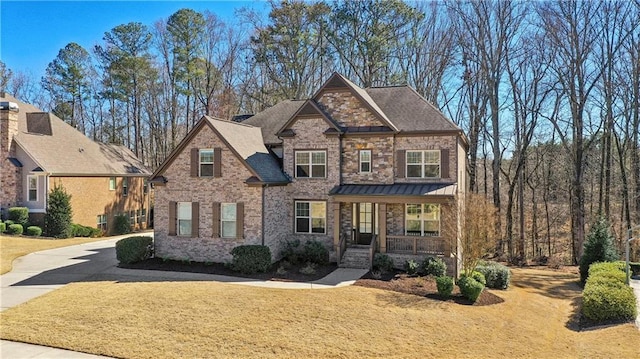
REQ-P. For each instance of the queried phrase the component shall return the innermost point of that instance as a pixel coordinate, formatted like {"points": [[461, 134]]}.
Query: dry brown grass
{"points": [[214, 320], [12, 247]]}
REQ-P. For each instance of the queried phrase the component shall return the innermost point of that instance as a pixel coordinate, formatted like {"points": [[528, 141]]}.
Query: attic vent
{"points": [[39, 122]]}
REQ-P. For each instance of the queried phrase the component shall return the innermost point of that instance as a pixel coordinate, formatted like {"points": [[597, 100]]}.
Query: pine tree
{"points": [[599, 247], [57, 221]]}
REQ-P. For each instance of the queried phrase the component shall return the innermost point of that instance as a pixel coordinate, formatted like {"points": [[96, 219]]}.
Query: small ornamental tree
{"points": [[478, 231], [598, 247], [57, 221]]}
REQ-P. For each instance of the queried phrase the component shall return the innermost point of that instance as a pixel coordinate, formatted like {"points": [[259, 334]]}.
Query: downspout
{"points": [[264, 188]]}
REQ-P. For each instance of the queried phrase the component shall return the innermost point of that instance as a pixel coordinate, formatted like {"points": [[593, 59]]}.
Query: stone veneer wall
{"points": [[381, 159], [227, 189], [10, 190], [430, 143], [346, 109]]}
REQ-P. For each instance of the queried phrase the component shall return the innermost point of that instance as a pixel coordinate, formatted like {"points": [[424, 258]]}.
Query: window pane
{"points": [[302, 225], [206, 156], [414, 157], [228, 229], [432, 157], [318, 158], [112, 183], [318, 209], [318, 171], [413, 227], [365, 156], [413, 210], [184, 227], [184, 210], [431, 228], [206, 170], [228, 212], [317, 225], [302, 171], [302, 209], [302, 158], [432, 170], [414, 171], [431, 212], [365, 167]]}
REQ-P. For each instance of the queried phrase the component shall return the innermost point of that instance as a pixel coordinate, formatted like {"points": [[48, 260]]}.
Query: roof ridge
{"points": [[210, 118]]}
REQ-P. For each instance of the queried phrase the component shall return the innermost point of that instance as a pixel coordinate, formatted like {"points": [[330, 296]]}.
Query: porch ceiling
{"points": [[396, 189]]}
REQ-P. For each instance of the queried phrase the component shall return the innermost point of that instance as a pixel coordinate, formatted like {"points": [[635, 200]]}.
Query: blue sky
{"points": [[32, 32]]}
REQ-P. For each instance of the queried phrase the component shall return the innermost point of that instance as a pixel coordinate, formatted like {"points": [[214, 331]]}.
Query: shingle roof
{"points": [[246, 141], [273, 118], [67, 151], [398, 189]]}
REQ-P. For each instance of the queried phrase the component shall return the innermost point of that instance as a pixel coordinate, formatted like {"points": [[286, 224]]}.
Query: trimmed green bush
{"points": [[9, 222], [57, 220], [3, 227], [134, 249], [411, 267], [479, 277], [19, 215], [434, 266], [598, 247], [292, 252], [599, 267], [382, 262], [445, 286], [249, 259], [15, 229], [121, 224], [34, 231], [497, 275], [315, 252], [612, 273], [79, 230], [470, 288], [612, 301]]}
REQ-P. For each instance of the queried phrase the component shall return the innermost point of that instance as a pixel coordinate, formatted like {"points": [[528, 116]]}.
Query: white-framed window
{"points": [[311, 217], [143, 216], [101, 222], [184, 219], [33, 188], [365, 161], [125, 186], [228, 218], [311, 164], [206, 162], [112, 183], [422, 220], [423, 164]]}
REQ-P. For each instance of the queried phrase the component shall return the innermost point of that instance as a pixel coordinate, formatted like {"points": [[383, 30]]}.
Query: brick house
{"points": [[39, 151], [361, 170]]}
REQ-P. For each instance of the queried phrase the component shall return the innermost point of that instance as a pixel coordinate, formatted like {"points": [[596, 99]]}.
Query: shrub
{"points": [[445, 286], [434, 266], [497, 275], [15, 229], [79, 230], [19, 215], [315, 252], [291, 252], [251, 259], [34, 231], [598, 247], [121, 224], [600, 267], [470, 288], [134, 249], [57, 220], [411, 267], [3, 227], [309, 269], [608, 302], [9, 222], [382, 262], [477, 276]]}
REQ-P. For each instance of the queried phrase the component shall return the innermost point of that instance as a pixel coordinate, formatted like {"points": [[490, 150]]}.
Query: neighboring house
{"points": [[361, 170], [39, 151]]}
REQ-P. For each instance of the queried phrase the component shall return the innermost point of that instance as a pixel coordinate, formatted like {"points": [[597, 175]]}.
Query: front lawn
{"points": [[216, 320], [12, 247]]}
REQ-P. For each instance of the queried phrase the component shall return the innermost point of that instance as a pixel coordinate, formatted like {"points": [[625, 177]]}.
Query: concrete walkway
{"points": [[42, 272], [635, 284]]}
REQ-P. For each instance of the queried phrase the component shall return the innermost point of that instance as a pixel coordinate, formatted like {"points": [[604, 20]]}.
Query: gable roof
{"points": [[60, 149], [273, 118], [310, 108], [244, 140]]}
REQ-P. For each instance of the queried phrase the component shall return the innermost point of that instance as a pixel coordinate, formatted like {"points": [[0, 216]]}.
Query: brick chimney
{"points": [[9, 172]]}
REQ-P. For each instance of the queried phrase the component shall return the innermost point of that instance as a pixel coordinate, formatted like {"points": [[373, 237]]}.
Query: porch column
{"points": [[382, 225], [336, 225]]}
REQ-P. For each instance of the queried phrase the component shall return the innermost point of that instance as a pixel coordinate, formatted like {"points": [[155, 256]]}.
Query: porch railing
{"points": [[373, 246], [418, 245]]}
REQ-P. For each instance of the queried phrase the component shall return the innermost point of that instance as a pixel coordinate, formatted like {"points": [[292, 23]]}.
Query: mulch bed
{"points": [[395, 281]]}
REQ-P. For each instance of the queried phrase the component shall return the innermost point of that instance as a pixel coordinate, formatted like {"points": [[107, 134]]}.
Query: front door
{"points": [[363, 222]]}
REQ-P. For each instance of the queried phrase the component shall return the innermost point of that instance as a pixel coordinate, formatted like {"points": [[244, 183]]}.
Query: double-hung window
{"points": [[422, 220], [311, 217], [184, 219], [206, 162], [125, 186], [102, 222], [33, 188], [112, 183], [423, 164], [365, 161], [228, 217], [311, 164]]}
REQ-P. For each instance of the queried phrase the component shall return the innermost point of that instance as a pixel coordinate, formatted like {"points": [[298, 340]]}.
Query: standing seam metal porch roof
{"points": [[396, 189]]}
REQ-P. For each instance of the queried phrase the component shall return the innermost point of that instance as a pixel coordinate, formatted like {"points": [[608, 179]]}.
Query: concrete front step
{"points": [[355, 258]]}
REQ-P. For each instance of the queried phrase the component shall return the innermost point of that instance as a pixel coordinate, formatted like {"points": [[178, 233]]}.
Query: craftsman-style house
{"points": [[361, 170], [39, 151]]}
